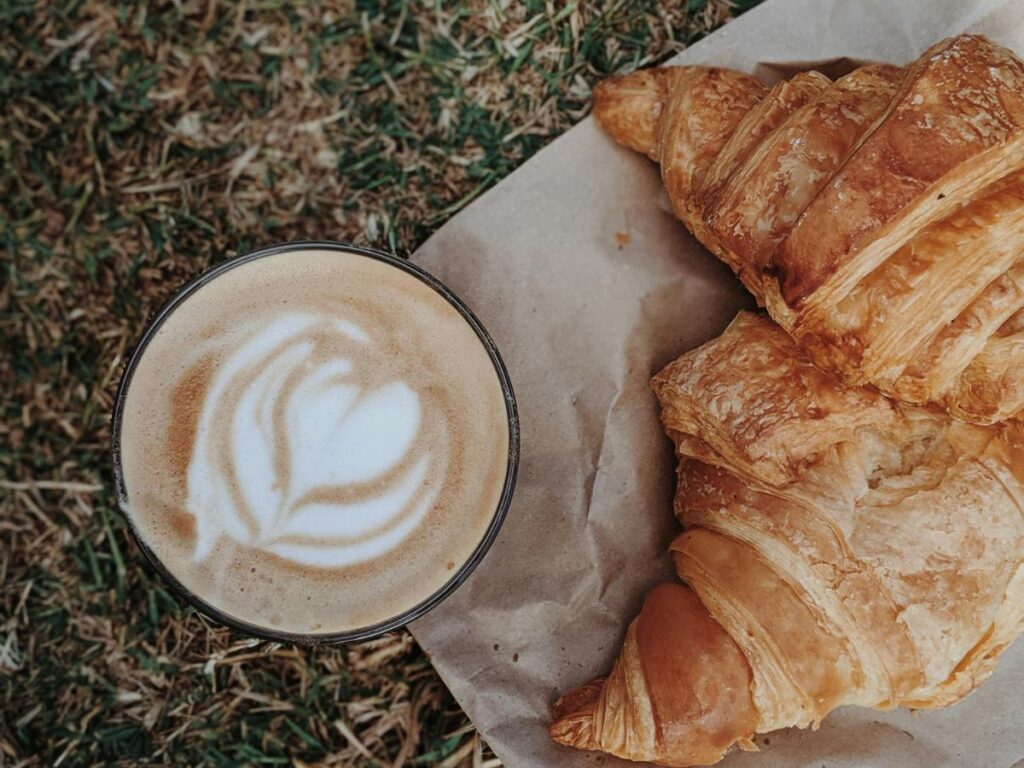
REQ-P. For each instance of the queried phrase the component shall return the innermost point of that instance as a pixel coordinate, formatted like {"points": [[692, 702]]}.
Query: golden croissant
{"points": [[840, 548], [879, 218]]}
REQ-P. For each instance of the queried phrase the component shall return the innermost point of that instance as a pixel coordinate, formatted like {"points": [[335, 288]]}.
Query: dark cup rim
{"points": [[460, 575]]}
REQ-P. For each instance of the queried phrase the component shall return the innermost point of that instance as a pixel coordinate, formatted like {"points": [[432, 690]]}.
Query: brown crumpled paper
{"points": [[589, 285]]}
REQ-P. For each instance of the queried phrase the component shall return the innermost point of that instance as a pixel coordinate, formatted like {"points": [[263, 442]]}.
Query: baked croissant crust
{"points": [[839, 548], [879, 218]]}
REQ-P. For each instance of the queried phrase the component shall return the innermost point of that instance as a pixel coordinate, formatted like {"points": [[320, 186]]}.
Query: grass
{"points": [[141, 143]]}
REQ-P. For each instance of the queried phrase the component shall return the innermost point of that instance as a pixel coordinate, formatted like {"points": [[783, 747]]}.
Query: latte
{"points": [[313, 441]]}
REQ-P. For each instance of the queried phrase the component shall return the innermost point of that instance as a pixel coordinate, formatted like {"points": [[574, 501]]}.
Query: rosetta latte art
{"points": [[299, 454], [314, 441]]}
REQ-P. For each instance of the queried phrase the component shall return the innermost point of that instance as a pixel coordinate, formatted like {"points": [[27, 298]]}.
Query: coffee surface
{"points": [[314, 441]]}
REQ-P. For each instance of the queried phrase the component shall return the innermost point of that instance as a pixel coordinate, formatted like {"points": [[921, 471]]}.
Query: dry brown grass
{"points": [[141, 143]]}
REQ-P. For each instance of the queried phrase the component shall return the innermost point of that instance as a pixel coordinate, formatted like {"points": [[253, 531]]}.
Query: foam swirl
{"points": [[299, 454]]}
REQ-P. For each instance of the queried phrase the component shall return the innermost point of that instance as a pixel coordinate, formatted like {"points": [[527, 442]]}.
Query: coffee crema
{"points": [[313, 442]]}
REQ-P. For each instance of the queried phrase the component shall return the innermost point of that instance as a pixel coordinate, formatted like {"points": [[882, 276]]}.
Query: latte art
{"points": [[313, 441], [295, 455]]}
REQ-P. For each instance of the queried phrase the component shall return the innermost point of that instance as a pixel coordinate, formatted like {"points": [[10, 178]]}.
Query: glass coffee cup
{"points": [[315, 442]]}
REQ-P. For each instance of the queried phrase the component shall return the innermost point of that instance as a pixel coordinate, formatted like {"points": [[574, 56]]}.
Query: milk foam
{"points": [[298, 477], [313, 441]]}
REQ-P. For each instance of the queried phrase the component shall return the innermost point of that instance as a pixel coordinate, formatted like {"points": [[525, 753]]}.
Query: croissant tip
{"points": [[578, 700], [572, 722], [602, 87], [575, 731]]}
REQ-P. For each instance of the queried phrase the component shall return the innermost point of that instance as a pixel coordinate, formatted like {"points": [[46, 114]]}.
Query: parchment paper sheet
{"points": [[582, 322]]}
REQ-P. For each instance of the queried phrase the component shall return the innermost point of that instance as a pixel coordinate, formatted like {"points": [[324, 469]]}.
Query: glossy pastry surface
{"points": [[839, 548], [878, 218]]}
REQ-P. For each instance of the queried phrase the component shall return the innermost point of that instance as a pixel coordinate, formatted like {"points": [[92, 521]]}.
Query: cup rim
{"points": [[407, 616]]}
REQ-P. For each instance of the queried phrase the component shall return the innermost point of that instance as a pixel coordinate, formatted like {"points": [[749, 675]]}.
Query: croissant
{"points": [[839, 548], [878, 218]]}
